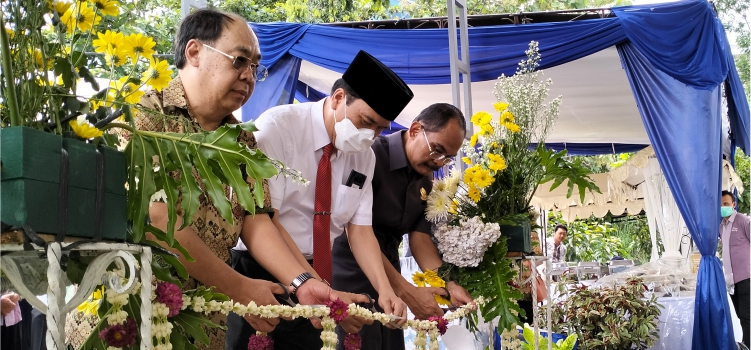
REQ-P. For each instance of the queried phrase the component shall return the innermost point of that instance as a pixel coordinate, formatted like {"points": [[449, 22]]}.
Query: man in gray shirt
{"points": [[405, 162], [734, 233]]}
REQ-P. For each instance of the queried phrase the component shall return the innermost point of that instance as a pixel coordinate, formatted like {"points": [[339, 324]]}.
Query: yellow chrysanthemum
{"points": [[482, 178], [107, 7], [473, 193], [497, 163], [494, 145], [434, 280], [11, 33], [137, 45], [441, 300], [158, 75], [91, 306], [512, 127], [469, 173], [39, 60], [127, 90], [507, 117], [467, 160], [481, 118], [84, 129], [473, 140], [419, 279], [486, 129], [81, 16], [115, 56], [107, 39], [500, 106], [60, 7]]}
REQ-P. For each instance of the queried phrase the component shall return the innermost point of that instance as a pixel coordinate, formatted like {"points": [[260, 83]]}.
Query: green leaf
{"points": [[179, 341], [84, 73], [193, 323], [169, 185], [190, 199], [160, 235]]}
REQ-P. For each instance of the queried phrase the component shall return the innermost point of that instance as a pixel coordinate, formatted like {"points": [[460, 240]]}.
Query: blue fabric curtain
{"points": [[683, 39], [277, 89], [684, 128]]}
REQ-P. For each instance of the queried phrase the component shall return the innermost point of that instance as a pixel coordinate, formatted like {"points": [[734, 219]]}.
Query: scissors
{"points": [[451, 306], [370, 305], [285, 298]]}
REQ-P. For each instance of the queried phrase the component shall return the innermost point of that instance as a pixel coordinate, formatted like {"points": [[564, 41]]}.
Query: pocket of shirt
{"points": [[346, 204]]}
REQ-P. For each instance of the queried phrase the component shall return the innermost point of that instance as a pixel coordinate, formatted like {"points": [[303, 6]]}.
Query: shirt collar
{"points": [[320, 135], [173, 96], [397, 156], [731, 218]]}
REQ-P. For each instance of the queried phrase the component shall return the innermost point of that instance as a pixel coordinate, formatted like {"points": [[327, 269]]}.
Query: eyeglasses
{"points": [[242, 63], [438, 157]]}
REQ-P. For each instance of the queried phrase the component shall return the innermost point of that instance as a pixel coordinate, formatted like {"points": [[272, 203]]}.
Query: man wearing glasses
{"points": [[405, 162], [217, 57]]}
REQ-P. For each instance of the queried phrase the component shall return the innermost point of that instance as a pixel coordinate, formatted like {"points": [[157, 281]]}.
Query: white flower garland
{"points": [[161, 328]]}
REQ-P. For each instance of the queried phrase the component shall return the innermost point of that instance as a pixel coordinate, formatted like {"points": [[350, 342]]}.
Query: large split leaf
{"points": [[491, 279], [216, 157]]}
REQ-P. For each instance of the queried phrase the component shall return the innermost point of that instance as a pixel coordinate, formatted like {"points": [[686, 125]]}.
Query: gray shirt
{"points": [[737, 226]]}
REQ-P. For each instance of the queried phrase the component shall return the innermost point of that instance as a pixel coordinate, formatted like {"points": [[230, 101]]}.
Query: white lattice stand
{"points": [[106, 253]]}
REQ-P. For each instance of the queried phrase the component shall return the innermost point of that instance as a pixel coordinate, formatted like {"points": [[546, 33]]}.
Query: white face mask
{"points": [[350, 139]]}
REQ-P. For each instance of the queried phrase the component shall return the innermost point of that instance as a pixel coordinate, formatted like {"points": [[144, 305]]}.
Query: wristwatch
{"points": [[299, 280]]}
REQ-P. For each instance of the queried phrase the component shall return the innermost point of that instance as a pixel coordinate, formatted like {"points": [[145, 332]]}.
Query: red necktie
{"points": [[322, 216]]}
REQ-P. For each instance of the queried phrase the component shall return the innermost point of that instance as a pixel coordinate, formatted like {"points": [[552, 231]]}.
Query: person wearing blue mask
{"points": [[734, 233]]}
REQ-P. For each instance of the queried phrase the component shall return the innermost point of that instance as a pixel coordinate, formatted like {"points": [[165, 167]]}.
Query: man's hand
{"points": [[421, 301], [8, 303], [391, 304], [459, 295], [315, 292], [262, 293]]}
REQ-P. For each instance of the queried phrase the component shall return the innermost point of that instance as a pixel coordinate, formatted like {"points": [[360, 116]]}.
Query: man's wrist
{"points": [[300, 280]]}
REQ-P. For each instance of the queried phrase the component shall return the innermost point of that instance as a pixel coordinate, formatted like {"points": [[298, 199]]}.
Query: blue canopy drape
{"points": [[676, 41], [676, 56]]}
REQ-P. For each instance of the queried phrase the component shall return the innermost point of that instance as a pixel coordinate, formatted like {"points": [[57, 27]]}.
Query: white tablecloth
{"points": [[677, 323]]}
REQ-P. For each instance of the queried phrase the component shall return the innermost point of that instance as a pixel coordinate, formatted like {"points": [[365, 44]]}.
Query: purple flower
{"points": [[338, 310], [443, 325], [170, 294], [352, 341], [260, 341], [120, 335]]}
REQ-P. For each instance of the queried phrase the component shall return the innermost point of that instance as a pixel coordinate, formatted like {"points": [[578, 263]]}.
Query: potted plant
{"points": [[484, 212], [609, 318], [60, 152]]}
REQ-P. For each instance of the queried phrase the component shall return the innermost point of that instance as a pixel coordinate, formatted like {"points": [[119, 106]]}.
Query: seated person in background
{"points": [[556, 250]]}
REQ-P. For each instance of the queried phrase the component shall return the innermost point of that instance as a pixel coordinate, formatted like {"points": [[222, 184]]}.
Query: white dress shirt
{"points": [[295, 134]]}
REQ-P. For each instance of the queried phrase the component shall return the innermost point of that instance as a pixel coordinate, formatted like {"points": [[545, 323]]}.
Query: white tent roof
{"points": [[598, 104]]}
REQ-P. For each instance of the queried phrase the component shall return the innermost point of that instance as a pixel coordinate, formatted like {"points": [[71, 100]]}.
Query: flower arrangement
{"points": [[472, 210]]}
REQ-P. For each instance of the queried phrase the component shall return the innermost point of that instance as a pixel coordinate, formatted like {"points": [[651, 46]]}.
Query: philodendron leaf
{"points": [[193, 323], [190, 200], [169, 185], [141, 184]]}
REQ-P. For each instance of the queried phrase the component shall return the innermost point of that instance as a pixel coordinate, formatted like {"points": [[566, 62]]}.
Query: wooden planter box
{"points": [[30, 179], [519, 238]]}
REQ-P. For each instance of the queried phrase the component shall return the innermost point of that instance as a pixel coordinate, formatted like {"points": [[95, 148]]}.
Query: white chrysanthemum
{"points": [[438, 206]]}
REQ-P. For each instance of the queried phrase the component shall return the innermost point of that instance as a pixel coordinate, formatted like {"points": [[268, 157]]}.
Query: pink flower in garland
{"points": [[352, 341], [170, 294], [120, 335], [338, 310], [443, 325], [260, 341]]}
